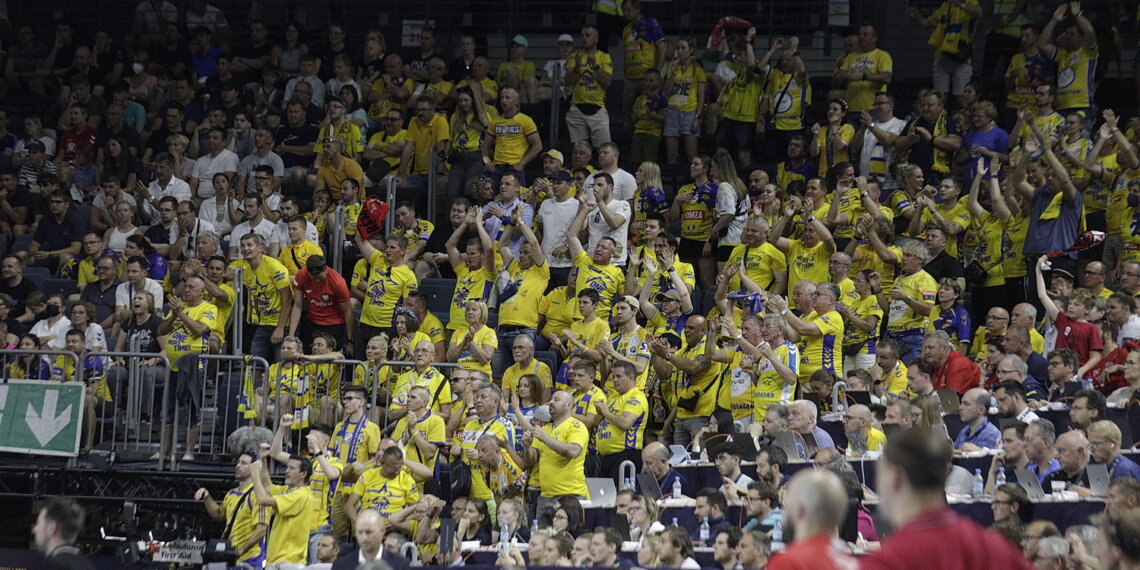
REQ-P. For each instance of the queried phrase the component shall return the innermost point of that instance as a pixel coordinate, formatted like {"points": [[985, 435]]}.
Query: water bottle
{"points": [[778, 535], [999, 480], [534, 527], [704, 532], [677, 488], [634, 531], [979, 484], [675, 522], [505, 538]]}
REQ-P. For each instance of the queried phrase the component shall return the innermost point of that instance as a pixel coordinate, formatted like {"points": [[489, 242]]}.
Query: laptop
{"points": [[950, 401], [1029, 482], [680, 455], [603, 492], [1097, 474], [858, 397], [649, 485], [745, 445]]}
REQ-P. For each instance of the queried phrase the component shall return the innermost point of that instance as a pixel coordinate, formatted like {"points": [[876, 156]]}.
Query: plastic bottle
{"points": [[704, 532], [778, 536], [675, 522], [979, 484], [999, 480], [534, 527], [505, 538], [634, 531], [676, 488]]}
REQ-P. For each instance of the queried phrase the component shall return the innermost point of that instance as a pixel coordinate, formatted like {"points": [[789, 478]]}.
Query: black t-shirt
{"points": [[159, 235], [19, 293], [104, 300], [437, 243], [146, 334], [922, 153], [943, 265], [295, 136], [327, 54]]}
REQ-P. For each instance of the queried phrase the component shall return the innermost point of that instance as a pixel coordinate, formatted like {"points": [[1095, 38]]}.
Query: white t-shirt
{"points": [[250, 162], [599, 228], [281, 232], [625, 185], [208, 165], [265, 229], [220, 219], [177, 188], [126, 291], [874, 149], [57, 332], [556, 218], [1130, 330], [726, 203]]}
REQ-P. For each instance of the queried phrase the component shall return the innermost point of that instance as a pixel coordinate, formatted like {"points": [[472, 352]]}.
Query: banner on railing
{"points": [[41, 418]]}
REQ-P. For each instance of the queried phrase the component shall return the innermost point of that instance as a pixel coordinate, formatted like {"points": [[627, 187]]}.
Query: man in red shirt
{"points": [[951, 368], [323, 294], [816, 505], [80, 133], [911, 476]]}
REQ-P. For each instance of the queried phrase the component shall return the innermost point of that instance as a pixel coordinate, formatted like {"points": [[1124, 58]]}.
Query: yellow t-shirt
{"points": [[789, 94], [607, 280], [760, 264], [569, 431], [560, 309], [263, 285], [321, 489], [293, 257], [519, 299], [466, 136], [510, 137], [870, 259], [875, 440], [348, 133], [820, 352], [807, 262], [387, 287], [424, 139], [829, 154], [382, 139], [249, 515], [640, 52], [740, 98], [632, 346], [861, 94], [469, 435], [770, 386], [433, 328], [384, 495], [292, 378], [432, 428], [1013, 243], [662, 283], [589, 334], [485, 335], [587, 90], [1118, 217], [611, 439], [379, 109], [507, 480], [182, 340], [687, 83], [488, 84], [919, 286], [983, 240], [646, 124], [292, 521], [701, 385], [1097, 194], [894, 381], [537, 367], [697, 214], [737, 379], [432, 379], [1075, 73], [355, 441], [960, 214], [864, 309], [524, 69], [470, 285], [325, 378]]}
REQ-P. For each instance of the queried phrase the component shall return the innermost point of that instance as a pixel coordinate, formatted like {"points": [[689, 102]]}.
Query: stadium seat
{"points": [[35, 278], [550, 358], [41, 271], [55, 285], [438, 293], [22, 242]]}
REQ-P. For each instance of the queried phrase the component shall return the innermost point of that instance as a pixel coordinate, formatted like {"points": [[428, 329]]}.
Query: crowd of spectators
{"points": [[982, 249]]}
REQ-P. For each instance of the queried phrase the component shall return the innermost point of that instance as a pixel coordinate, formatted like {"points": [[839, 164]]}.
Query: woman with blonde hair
{"points": [[473, 344], [649, 198], [732, 207], [176, 144], [643, 518]]}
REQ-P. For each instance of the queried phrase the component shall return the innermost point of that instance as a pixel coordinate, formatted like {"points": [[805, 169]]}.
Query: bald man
{"points": [[816, 505], [655, 460], [369, 540], [997, 321], [977, 432], [861, 436], [1072, 450], [1093, 279]]}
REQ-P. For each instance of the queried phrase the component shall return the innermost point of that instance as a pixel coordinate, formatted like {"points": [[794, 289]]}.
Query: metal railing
{"points": [[338, 239], [134, 432], [228, 401], [237, 316]]}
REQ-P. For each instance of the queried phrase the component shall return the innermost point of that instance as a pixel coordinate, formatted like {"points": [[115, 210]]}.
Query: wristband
{"points": [[783, 312]]}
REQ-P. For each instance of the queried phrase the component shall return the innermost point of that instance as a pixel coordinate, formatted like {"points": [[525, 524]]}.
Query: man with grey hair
{"points": [[1052, 553], [1072, 448], [802, 416], [977, 433], [819, 332], [753, 550], [1039, 439], [816, 506], [1012, 368], [909, 302], [952, 369], [801, 295]]}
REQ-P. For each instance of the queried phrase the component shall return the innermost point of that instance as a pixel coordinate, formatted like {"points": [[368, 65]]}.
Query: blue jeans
{"points": [[260, 344], [910, 344], [185, 385]]}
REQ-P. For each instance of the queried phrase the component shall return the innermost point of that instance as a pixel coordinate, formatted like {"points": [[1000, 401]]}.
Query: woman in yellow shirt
{"points": [[468, 123], [473, 345], [829, 146], [685, 86]]}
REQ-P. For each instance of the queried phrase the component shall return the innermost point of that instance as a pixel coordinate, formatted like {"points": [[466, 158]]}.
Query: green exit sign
{"points": [[41, 417]]}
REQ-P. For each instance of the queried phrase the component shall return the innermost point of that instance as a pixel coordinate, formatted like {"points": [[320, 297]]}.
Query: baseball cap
{"points": [[334, 99], [542, 413], [561, 176], [521, 40], [555, 154], [671, 294], [566, 38], [632, 302]]}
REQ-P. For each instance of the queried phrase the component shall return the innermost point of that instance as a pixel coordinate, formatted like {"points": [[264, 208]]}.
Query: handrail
{"points": [[238, 313]]}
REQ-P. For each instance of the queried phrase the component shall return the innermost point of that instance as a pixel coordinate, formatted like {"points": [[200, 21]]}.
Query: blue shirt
{"points": [[822, 438], [1123, 467], [666, 482], [1053, 467], [986, 436], [768, 523]]}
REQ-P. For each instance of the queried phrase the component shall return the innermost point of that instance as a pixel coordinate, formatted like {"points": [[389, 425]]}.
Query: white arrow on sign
{"points": [[46, 425]]}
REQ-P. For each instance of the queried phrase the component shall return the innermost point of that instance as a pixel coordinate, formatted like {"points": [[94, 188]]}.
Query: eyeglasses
{"points": [[393, 118], [1081, 409], [1100, 443]]}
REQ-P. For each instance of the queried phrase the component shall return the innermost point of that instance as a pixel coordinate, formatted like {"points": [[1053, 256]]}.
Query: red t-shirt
{"points": [[959, 373], [1108, 383], [1077, 336], [71, 139], [821, 552], [322, 298], [943, 540]]}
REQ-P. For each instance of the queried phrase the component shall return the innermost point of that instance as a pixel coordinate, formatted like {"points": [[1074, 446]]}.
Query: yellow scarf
{"points": [[949, 36], [941, 157]]}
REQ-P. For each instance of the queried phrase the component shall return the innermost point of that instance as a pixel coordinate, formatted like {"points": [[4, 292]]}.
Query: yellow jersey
{"points": [[383, 495], [510, 137], [894, 381], [525, 70], [919, 286], [431, 379], [830, 154], [322, 489], [519, 299], [516, 371], [607, 280], [249, 515], [983, 244], [466, 359], [868, 258], [959, 213], [687, 82], [424, 139], [586, 89], [506, 480], [182, 340], [699, 386], [432, 428], [861, 94], [560, 309], [466, 438], [382, 139], [262, 285], [789, 94], [1075, 74], [807, 262], [698, 214], [387, 288], [760, 264], [589, 333], [470, 285], [610, 439], [770, 386], [293, 257], [632, 346], [864, 309], [292, 521], [820, 351], [569, 430], [640, 41], [740, 98]]}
